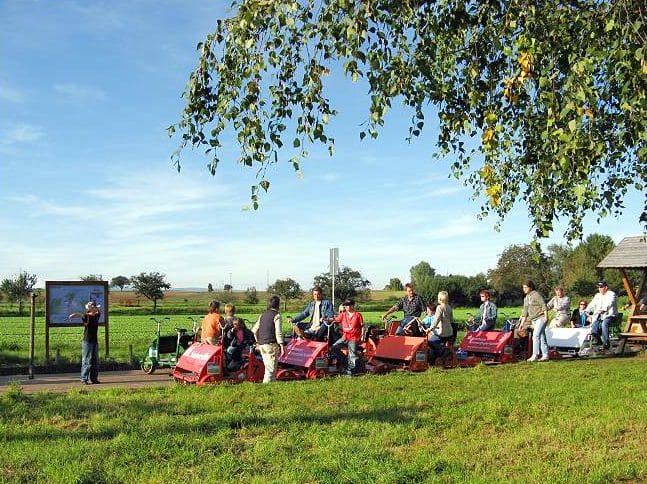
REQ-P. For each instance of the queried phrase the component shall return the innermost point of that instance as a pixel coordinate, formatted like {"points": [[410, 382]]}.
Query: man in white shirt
{"points": [[319, 311], [604, 309]]}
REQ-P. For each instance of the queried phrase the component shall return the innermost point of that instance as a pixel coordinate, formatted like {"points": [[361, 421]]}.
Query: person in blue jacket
{"points": [[485, 320], [310, 322]]}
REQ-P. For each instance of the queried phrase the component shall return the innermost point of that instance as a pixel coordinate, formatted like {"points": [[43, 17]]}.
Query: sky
{"points": [[87, 186]]}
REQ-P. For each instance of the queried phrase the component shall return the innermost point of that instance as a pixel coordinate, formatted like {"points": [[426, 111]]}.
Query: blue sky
{"points": [[87, 90]]}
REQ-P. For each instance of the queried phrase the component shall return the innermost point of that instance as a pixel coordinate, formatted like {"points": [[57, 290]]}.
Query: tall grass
{"points": [[556, 422]]}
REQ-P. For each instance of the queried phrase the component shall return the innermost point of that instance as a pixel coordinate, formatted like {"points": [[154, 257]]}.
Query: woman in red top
{"points": [[351, 326]]}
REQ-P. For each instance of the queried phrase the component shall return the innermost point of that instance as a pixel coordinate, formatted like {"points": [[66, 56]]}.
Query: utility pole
{"points": [[334, 270]]}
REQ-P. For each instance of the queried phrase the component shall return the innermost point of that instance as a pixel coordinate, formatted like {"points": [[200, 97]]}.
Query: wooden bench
{"points": [[636, 330]]}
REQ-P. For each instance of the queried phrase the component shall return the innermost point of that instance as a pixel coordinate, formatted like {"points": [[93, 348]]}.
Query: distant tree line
{"points": [[574, 268]]}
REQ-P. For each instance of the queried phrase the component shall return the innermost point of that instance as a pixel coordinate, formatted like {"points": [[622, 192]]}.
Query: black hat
{"points": [[602, 284]]}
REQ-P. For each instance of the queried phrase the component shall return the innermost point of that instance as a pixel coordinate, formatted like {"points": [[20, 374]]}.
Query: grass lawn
{"points": [[577, 421]]}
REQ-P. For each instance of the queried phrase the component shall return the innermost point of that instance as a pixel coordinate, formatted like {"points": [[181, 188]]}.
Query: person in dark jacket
{"points": [[268, 332], [90, 343], [412, 305], [239, 339]]}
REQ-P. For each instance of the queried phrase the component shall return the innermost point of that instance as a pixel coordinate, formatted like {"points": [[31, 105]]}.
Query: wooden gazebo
{"points": [[631, 254]]}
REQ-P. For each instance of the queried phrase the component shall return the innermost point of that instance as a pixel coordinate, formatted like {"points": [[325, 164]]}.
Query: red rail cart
{"points": [[302, 359], [203, 363], [399, 353], [491, 347]]}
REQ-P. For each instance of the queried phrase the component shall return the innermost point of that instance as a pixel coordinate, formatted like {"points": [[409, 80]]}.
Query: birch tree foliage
{"points": [[538, 103]]}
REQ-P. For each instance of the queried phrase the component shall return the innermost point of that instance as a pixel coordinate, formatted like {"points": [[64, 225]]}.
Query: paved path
{"points": [[63, 382]]}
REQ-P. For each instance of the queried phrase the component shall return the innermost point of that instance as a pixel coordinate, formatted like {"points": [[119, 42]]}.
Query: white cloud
{"points": [[331, 177], [10, 93], [20, 133], [100, 17], [80, 93]]}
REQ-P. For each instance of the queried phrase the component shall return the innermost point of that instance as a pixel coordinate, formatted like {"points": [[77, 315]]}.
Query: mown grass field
{"points": [[579, 421]]}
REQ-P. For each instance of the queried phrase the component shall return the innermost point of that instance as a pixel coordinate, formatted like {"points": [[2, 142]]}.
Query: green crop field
{"points": [[568, 421], [126, 333]]}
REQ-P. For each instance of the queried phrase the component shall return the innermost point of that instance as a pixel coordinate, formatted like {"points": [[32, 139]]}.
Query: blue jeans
{"points": [[349, 363], [406, 320], [89, 361], [436, 346], [539, 340], [595, 329], [485, 326], [319, 335]]}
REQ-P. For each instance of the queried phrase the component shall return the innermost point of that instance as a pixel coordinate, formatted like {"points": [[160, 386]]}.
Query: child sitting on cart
{"points": [[239, 339], [351, 326]]}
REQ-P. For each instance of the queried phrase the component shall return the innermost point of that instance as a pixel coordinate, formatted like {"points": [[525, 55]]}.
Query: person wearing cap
{"points": [[351, 327], [603, 307], [90, 343], [535, 313]]}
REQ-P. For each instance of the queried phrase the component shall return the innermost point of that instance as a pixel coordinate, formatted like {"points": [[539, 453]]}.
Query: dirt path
{"points": [[63, 382]]}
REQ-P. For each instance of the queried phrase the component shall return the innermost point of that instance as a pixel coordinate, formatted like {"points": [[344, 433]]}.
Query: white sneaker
{"points": [[532, 358], [544, 358]]}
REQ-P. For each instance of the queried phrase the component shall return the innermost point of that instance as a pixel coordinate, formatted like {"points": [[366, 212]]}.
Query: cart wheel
{"points": [[148, 366]]}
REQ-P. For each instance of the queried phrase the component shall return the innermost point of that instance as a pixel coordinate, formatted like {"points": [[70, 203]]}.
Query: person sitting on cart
{"points": [[442, 328], [604, 308], [428, 320], [320, 311], [239, 339], [228, 322], [412, 305], [212, 324], [351, 325], [485, 320], [561, 304], [580, 318]]}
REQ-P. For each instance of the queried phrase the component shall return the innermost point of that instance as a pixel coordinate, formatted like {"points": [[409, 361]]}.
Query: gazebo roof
{"points": [[630, 253]]}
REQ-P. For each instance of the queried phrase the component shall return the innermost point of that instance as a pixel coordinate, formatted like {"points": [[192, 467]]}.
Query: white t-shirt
{"points": [[315, 317]]}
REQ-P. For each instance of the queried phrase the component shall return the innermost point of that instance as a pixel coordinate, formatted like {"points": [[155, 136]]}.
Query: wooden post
{"points": [[32, 335], [107, 339], [46, 343]]}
